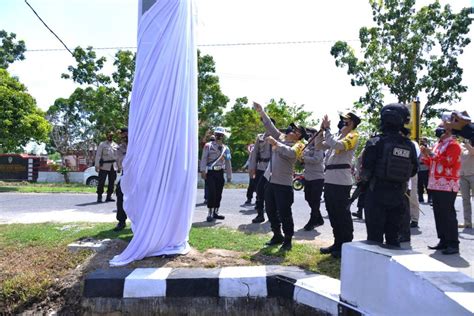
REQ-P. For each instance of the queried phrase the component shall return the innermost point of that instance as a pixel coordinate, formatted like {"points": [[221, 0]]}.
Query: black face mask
{"points": [[439, 132], [219, 137], [288, 130], [341, 124]]}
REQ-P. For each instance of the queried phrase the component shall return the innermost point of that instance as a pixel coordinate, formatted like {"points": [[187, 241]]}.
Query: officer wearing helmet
{"points": [[214, 161], [389, 161]]}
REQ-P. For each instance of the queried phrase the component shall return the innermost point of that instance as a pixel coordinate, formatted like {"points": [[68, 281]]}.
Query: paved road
{"points": [[37, 208]]}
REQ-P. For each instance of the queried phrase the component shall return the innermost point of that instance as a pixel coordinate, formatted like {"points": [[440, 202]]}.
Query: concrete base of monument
{"points": [[250, 290]]}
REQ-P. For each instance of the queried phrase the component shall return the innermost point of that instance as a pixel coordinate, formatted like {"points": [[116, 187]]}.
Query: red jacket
{"points": [[444, 166]]}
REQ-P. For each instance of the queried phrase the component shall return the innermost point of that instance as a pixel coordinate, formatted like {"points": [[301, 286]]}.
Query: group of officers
{"points": [[387, 163]]}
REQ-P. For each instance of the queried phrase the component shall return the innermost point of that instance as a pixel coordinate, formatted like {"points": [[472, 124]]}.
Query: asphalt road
{"points": [[63, 207]]}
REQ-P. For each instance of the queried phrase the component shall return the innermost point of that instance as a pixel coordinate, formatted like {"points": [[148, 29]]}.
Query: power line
{"points": [[208, 45], [48, 27]]}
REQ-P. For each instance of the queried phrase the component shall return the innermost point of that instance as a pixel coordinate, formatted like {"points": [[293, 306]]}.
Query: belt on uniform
{"points": [[264, 160], [216, 168], [107, 161], [340, 166]]}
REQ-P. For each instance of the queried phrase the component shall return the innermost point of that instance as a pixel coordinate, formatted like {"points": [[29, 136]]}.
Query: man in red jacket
{"points": [[444, 163]]}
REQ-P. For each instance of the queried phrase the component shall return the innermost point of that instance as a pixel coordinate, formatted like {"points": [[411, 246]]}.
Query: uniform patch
{"points": [[400, 152]]}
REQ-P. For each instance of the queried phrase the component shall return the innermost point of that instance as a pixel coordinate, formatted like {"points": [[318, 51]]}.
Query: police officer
{"points": [[105, 165], [338, 179], [388, 163], [121, 152], [215, 160], [259, 159], [279, 196], [313, 160]]}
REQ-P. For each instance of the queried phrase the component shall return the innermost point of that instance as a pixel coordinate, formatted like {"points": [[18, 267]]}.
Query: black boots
{"points": [[109, 199], [120, 226], [314, 221], [276, 239], [286, 246], [99, 199], [260, 217], [216, 215], [213, 214]]}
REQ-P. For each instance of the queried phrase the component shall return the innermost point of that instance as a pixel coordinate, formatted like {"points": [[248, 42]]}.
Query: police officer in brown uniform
{"points": [[259, 159], [106, 166], [121, 152], [279, 195], [215, 160], [313, 159], [338, 178]]}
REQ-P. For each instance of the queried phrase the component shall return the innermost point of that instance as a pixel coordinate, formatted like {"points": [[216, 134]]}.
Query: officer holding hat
{"points": [[214, 161], [389, 161]]}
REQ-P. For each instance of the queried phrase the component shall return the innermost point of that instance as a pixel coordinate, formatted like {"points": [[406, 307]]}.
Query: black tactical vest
{"points": [[394, 162]]}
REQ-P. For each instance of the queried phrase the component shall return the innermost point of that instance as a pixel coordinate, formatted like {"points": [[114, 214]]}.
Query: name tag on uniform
{"points": [[400, 152]]}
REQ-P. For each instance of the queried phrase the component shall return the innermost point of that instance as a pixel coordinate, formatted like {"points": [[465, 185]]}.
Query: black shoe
{"points": [[357, 214], [259, 219], [439, 246], [310, 225], [119, 227], [286, 246], [450, 251], [319, 222], [216, 215], [99, 199], [414, 224], [336, 254], [276, 240], [204, 202], [248, 202], [327, 250], [210, 218], [109, 200]]}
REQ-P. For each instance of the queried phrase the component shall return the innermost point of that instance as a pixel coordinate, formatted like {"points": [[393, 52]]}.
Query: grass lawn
{"points": [[27, 187], [34, 257]]}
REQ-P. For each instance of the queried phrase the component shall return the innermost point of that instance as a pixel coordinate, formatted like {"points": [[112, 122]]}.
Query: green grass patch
{"points": [[27, 187], [34, 256]]}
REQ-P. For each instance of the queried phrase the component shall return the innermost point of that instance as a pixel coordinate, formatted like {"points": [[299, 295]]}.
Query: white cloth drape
{"points": [[160, 168]]}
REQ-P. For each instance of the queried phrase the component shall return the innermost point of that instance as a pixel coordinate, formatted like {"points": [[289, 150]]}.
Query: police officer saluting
{"points": [[105, 165], [279, 196], [259, 159], [338, 178], [215, 159], [388, 163]]}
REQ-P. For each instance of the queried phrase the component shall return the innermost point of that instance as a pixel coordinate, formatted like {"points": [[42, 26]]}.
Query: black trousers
{"points": [[384, 209], [103, 174], [121, 215], [423, 185], [261, 183], [405, 232], [278, 201], [445, 217], [251, 188], [312, 194], [337, 198], [215, 186]]}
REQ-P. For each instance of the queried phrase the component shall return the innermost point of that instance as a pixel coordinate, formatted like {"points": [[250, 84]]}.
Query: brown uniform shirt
{"points": [[212, 151], [107, 151], [261, 154]]}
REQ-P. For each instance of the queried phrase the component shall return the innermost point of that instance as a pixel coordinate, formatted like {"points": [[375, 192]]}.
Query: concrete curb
{"points": [[318, 292]]}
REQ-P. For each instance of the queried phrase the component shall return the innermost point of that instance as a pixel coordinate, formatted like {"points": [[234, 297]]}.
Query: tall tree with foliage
{"points": [[244, 123], [21, 121], [11, 49], [211, 100], [409, 52], [100, 105]]}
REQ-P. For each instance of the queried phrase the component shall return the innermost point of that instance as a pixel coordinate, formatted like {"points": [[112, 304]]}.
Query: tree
{"points": [[100, 106], [21, 120], [211, 100], [244, 123], [408, 52], [10, 50]]}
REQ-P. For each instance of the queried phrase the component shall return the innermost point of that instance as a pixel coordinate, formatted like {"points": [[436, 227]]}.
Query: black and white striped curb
{"points": [[317, 291]]}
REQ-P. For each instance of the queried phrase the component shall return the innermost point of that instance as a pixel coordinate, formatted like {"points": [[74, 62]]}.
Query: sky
{"points": [[299, 73]]}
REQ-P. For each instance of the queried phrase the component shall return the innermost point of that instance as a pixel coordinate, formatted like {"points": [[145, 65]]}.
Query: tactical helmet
{"points": [[394, 116]]}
